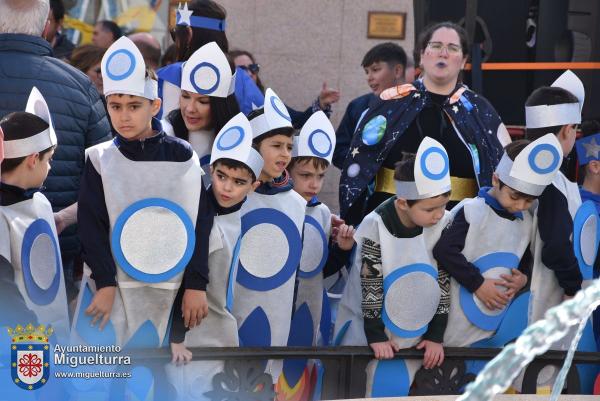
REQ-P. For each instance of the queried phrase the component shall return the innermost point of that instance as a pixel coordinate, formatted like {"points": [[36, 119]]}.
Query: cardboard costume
{"points": [[29, 241]]}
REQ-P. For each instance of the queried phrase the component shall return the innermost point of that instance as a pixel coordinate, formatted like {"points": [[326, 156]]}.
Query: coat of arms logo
{"points": [[30, 355]]}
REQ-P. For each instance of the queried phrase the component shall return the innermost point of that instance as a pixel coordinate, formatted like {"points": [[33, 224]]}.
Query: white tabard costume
{"points": [[411, 289], [545, 290], [219, 328], [152, 211], [270, 252], [494, 252], [30, 244], [317, 228]]}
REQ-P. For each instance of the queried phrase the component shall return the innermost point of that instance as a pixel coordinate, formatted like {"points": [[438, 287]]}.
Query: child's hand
{"points": [[336, 222], [514, 282], [101, 305], [491, 297], [345, 237], [181, 355], [384, 350], [194, 307], [434, 353]]}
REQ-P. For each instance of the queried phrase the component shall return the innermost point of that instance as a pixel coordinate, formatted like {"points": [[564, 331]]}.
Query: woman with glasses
{"points": [[245, 60], [438, 105]]}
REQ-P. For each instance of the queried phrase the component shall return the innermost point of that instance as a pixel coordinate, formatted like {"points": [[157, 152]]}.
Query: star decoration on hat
{"points": [[184, 14], [592, 149]]}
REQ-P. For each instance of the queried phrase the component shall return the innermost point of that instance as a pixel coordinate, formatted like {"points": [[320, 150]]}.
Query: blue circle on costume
{"points": [[118, 231], [126, 74], [319, 268], [285, 224], [37, 294], [374, 130], [200, 90], [230, 138], [544, 147], [312, 146], [282, 113], [429, 174], [467, 301], [389, 280], [586, 212]]}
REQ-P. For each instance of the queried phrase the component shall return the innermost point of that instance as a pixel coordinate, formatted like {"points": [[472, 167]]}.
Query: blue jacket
{"points": [[77, 112]]}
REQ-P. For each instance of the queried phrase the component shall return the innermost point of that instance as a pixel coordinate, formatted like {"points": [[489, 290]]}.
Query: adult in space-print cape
{"points": [[474, 119], [28, 239], [271, 246]]}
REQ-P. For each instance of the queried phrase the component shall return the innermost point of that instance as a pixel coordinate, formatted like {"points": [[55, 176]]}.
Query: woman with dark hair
{"points": [[436, 105], [245, 60], [206, 101]]}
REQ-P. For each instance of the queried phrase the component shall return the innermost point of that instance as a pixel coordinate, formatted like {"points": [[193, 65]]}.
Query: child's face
{"points": [[308, 179], [425, 212], [39, 168], [195, 110], [231, 185], [381, 75], [276, 151], [132, 115], [510, 199]]}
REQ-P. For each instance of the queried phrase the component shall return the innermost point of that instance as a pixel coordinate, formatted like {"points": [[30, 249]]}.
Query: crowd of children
{"points": [[239, 258]]}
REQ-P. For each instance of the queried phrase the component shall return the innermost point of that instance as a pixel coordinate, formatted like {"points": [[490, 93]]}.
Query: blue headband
{"points": [[202, 22]]}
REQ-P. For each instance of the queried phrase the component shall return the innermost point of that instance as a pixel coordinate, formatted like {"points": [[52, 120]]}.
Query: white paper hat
{"points": [[316, 139], [275, 115], [558, 114], [36, 104], [207, 72], [432, 173], [534, 168], [234, 141], [124, 71]]}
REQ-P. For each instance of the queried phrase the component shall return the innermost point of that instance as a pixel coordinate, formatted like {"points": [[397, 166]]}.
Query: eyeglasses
{"points": [[439, 46], [98, 71], [253, 68]]}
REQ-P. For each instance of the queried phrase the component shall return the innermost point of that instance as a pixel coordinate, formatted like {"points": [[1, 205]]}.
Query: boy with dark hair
{"points": [[384, 66], [556, 275], [143, 217], [235, 166], [271, 243], [404, 300], [28, 239], [482, 249]]}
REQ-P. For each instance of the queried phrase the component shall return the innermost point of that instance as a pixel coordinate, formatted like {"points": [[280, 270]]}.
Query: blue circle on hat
{"points": [[37, 294], [278, 110], [467, 302], [131, 270], [200, 90], [319, 268], [230, 138], [429, 174], [389, 280], [126, 74], [294, 241], [544, 147], [312, 146]]}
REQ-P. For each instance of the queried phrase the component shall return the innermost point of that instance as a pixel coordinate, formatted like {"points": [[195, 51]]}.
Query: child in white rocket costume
{"points": [[235, 166], [142, 216], [483, 247], [28, 239], [271, 244]]}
